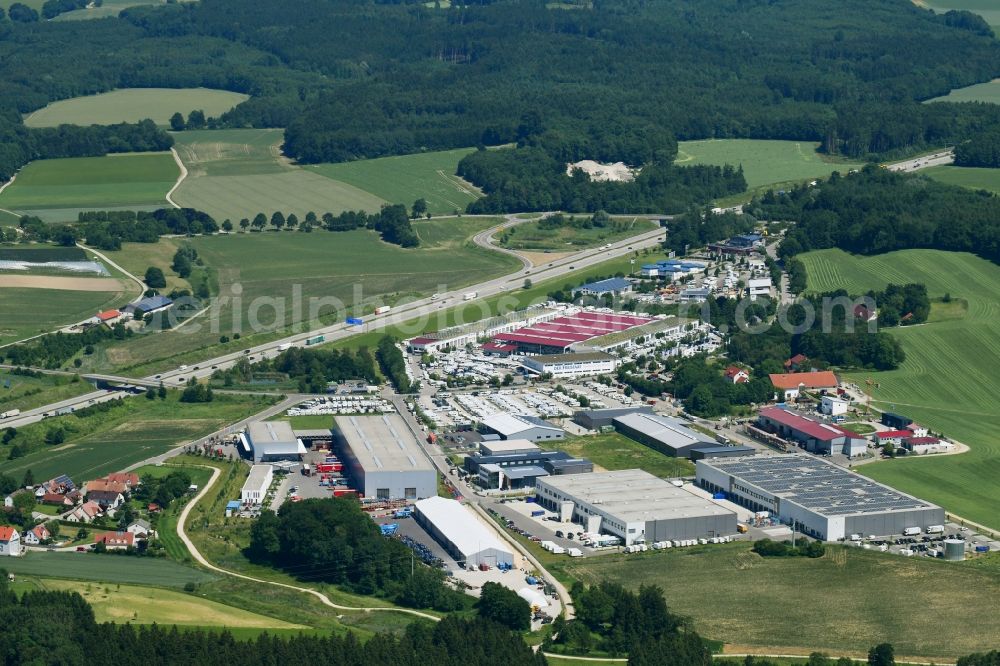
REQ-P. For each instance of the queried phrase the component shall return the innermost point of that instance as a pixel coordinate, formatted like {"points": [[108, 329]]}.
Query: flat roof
{"points": [[525, 472], [460, 527], [258, 474], [502, 446], [633, 495], [583, 357], [263, 432], [383, 443], [511, 424], [815, 429], [672, 432], [816, 484], [610, 284]]}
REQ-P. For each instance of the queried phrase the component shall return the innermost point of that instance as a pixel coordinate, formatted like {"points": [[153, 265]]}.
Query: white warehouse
{"points": [[255, 488], [572, 365], [463, 535]]}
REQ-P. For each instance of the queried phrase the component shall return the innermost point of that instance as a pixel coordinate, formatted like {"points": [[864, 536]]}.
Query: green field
{"points": [[950, 377], [529, 236], [137, 430], [613, 451], [764, 162], [27, 312], [406, 178], [981, 92], [239, 173], [91, 182], [134, 104], [20, 392], [846, 601], [107, 568], [976, 178]]}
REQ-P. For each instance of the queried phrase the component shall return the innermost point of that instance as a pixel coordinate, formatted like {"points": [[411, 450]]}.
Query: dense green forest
{"points": [[980, 150], [352, 79], [876, 210]]}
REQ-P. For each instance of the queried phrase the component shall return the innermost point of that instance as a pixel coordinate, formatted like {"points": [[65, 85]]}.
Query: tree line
{"points": [[393, 365], [313, 369]]}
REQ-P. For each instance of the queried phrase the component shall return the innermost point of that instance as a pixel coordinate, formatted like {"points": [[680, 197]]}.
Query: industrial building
{"points": [[520, 426], [506, 447], [596, 419], [701, 453], [255, 487], [667, 435], [633, 505], [558, 335], [271, 441], [614, 286], [571, 365], [459, 336], [815, 496], [673, 269], [832, 406], [758, 287], [384, 458], [461, 533], [813, 436], [507, 471]]}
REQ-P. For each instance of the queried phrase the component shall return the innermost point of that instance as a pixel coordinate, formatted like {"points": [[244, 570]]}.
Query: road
{"points": [[924, 161], [425, 307]]}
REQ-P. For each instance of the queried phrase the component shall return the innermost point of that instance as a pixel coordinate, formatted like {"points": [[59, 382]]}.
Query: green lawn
{"points": [[133, 104], [977, 178], [529, 236], [406, 178], [27, 312], [614, 451], [135, 430], [764, 162], [848, 600], [239, 173], [92, 182], [950, 377], [107, 568]]}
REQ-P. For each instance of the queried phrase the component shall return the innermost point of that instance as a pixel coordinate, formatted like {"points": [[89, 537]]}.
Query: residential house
{"points": [[10, 541], [61, 484], [103, 485], [796, 363], [140, 528], [55, 499], [36, 535], [917, 430], [864, 313], [130, 479], [737, 375], [8, 501], [106, 499], [109, 317], [789, 385], [86, 512], [115, 540]]}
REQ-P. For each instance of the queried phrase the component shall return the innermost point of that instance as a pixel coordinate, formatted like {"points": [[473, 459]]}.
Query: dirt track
{"points": [[63, 283]]}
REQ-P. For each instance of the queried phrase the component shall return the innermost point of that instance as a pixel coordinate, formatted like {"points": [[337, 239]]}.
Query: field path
{"points": [[104, 257], [180, 178], [196, 554]]}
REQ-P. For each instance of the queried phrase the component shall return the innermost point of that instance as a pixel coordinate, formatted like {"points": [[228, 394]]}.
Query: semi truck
{"points": [[382, 309], [10, 414], [285, 346], [354, 321], [470, 295]]}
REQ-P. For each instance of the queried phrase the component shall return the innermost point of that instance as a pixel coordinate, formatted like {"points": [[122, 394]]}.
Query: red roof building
{"points": [[7, 533], [108, 315], [814, 436], [130, 479], [791, 383], [737, 375], [893, 434], [558, 334], [796, 361], [116, 539]]}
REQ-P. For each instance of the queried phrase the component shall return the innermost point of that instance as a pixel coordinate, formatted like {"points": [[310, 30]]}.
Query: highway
{"points": [[924, 161], [425, 307]]}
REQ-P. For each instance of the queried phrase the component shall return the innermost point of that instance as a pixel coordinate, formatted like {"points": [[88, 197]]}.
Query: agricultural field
{"points": [[530, 236], [406, 178], [234, 174], [30, 311], [738, 597], [135, 430], [107, 569], [976, 178], [131, 105], [950, 376], [614, 451], [20, 392], [57, 189], [980, 92], [765, 162]]}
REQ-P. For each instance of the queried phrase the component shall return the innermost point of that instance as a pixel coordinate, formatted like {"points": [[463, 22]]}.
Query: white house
{"points": [[917, 430], [832, 406], [140, 528], [10, 541], [758, 287]]}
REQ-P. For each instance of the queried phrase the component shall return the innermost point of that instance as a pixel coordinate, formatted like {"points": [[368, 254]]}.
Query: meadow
{"points": [[765, 162], [238, 173], [976, 178], [529, 236], [28, 311], [949, 379], [131, 105], [135, 430], [980, 92], [846, 601], [406, 178], [614, 451], [107, 568], [113, 181]]}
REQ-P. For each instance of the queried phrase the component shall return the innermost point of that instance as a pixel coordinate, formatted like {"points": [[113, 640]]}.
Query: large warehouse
{"points": [[556, 336], [520, 426], [824, 500], [669, 436], [462, 534], [571, 365], [383, 457], [633, 505], [271, 441], [814, 436], [595, 419]]}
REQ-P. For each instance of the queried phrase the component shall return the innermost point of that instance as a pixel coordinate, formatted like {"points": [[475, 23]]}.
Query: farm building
{"points": [[595, 419], [789, 385], [895, 421], [919, 446], [255, 487], [813, 436], [520, 426], [383, 457], [633, 505], [109, 317], [271, 441], [822, 499], [614, 286], [894, 437], [506, 447], [149, 305], [667, 435], [832, 406], [463, 535], [571, 365]]}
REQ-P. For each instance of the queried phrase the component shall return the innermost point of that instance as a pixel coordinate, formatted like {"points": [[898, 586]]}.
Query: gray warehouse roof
{"points": [[382, 443], [633, 495], [511, 424], [273, 438], [816, 484], [672, 432]]}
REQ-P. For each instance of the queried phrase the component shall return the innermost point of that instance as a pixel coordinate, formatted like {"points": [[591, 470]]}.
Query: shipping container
{"points": [[354, 321], [315, 341], [536, 514]]}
